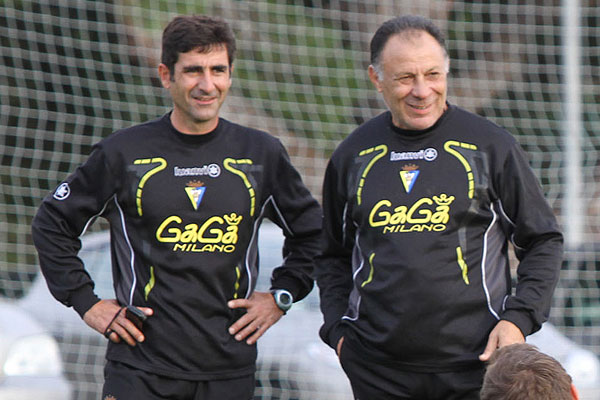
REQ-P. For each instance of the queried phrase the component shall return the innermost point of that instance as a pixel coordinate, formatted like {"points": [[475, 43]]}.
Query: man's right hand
{"points": [[339, 346], [103, 312]]}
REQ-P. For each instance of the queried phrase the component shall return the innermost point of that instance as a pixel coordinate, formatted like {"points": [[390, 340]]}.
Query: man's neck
{"points": [[189, 127]]}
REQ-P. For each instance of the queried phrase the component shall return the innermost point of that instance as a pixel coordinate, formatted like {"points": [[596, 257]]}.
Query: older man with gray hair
{"points": [[420, 204]]}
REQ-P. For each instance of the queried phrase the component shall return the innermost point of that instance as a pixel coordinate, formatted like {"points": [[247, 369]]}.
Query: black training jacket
{"points": [[184, 213], [415, 271]]}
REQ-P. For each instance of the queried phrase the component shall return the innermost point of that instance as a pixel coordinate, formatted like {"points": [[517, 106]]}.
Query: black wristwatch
{"points": [[283, 299]]}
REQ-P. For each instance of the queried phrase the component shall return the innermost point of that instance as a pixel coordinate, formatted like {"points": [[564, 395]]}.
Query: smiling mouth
{"points": [[419, 106], [202, 96], [204, 100]]}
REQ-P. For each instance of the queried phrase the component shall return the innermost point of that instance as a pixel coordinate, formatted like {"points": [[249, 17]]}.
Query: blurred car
{"points": [[81, 347], [293, 363], [30, 363]]}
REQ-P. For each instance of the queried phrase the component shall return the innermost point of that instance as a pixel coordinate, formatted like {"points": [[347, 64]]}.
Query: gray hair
{"points": [[400, 25]]}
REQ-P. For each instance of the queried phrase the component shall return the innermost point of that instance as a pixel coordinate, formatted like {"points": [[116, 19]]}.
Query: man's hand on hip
{"points": [[261, 314], [108, 318], [503, 334]]}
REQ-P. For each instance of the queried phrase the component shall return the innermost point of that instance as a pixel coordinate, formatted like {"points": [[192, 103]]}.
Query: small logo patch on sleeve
{"points": [[62, 192]]}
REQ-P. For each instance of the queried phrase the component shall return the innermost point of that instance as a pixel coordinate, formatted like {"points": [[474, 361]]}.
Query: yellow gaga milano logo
{"points": [[425, 215], [216, 234]]}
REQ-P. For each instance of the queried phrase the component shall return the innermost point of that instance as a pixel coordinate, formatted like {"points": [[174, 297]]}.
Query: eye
{"points": [[192, 70], [220, 70], [404, 78]]}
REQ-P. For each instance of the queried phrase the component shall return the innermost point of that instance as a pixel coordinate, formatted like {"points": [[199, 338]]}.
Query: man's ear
{"points": [[165, 75], [574, 392], [373, 76]]}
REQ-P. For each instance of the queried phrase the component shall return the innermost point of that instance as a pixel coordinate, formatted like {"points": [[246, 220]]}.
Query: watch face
{"points": [[285, 298]]}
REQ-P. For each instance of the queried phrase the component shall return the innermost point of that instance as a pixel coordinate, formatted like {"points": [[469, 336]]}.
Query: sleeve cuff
{"points": [[83, 299], [289, 284], [332, 335], [335, 335], [522, 321]]}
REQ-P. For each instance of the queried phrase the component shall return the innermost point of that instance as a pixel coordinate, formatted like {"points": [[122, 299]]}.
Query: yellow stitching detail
{"points": [[228, 167], [150, 284], [237, 282], [162, 165], [382, 148], [464, 162], [370, 278], [462, 264]]}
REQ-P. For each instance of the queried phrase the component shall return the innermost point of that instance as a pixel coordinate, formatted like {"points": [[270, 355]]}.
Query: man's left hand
{"points": [[503, 334], [261, 313]]}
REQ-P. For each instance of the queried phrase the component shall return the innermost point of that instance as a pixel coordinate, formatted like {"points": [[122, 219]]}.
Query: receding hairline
{"points": [[413, 34], [402, 24], [410, 34]]}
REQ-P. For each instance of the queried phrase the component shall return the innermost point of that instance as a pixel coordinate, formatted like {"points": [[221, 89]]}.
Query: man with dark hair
{"points": [[184, 195], [202, 33], [420, 204], [521, 372]]}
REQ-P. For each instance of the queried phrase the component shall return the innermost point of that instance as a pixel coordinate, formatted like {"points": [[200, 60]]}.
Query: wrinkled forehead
{"points": [[213, 47], [416, 48], [215, 55], [418, 37], [212, 51]]}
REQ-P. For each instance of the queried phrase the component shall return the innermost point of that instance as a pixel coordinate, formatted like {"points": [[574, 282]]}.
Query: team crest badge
{"points": [[195, 191], [409, 176]]}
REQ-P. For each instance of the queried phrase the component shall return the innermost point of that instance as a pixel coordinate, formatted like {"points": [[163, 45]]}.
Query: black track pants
{"points": [[123, 382], [371, 381]]}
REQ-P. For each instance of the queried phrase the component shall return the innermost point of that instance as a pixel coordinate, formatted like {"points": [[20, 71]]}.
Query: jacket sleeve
{"points": [[295, 210], [61, 218], [537, 240], [333, 266]]}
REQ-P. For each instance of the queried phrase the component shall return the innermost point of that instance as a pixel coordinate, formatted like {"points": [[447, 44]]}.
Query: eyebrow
{"points": [[411, 73], [200, 68]]}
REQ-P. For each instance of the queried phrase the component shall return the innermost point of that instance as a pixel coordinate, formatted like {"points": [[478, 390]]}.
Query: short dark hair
{"points": [[402, 24], [520, 372], [201, 32]]}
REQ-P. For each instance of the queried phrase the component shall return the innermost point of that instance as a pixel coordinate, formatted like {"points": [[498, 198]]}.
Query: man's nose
{"points": [[420, 87], [206, 82]]}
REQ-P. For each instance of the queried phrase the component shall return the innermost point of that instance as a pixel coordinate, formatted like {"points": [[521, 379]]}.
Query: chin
{"points": [[422, 122], [422, 125]]}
